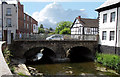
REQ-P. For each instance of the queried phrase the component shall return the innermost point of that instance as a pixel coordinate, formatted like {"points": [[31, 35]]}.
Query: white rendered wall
{"points": [[107, 26], [118, 28], [13, 18]]}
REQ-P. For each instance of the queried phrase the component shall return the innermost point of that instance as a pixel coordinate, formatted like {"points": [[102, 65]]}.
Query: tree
{"points": [[41, 26], [62, 25], [51, 29], [65, 31], [41, 30]]}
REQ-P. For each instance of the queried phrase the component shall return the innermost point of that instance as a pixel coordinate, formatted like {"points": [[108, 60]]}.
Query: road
{"points": [[4, 69]]}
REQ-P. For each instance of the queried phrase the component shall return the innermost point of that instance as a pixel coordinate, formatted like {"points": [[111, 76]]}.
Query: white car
{"points": [[55, 37]]}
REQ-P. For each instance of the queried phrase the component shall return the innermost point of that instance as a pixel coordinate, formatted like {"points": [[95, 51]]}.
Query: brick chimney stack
{"points": [[79, 19]]}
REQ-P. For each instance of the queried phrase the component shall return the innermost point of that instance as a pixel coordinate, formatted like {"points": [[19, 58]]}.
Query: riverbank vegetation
{"points": [[109, 60], [7, 55]]}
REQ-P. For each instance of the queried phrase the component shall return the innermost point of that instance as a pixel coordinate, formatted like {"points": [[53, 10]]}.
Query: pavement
{"points": [[4, 69]]}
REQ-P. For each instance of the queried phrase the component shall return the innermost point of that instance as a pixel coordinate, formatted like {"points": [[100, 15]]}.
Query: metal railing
{"points": [[39, 37]]}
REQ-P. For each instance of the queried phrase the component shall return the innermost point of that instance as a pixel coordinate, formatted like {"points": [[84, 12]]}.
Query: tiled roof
{"points": [[89, 22], [86, 22], [108, 3]]}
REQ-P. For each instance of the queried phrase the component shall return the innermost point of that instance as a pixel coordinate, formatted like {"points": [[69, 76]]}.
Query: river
{"points": [[82, 68]]}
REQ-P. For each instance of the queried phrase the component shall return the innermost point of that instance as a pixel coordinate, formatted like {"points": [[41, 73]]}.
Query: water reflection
{"points": [[84, 68], [38, 57]]}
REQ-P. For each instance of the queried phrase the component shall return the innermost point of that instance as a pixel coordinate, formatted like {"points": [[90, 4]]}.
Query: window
{"points": [[104, 18], [24, 16], [28, 18], [104, 33], [112, 17], [34, 27], [24, 25], [8, 13], [112, 33], [27, 26], [8, 22], [31, 20], [31, 27]]}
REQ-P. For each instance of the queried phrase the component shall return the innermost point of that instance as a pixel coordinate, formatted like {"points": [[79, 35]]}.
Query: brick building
{"points": [[25, 22], [14, 20]]}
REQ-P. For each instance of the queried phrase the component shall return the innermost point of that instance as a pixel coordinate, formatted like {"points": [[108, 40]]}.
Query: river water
{"points": [[82, 68]]}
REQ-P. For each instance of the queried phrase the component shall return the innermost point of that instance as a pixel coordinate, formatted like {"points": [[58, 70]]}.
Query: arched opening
{"points": [[79, 54], [39, 55]]}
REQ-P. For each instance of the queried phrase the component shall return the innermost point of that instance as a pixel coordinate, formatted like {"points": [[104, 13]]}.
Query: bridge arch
{"points": [[20, 48], [79, 54], [48, 54]]}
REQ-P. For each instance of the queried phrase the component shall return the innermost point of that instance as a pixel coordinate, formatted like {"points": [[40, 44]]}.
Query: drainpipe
{"points": [[2, 20], [116, 32]]}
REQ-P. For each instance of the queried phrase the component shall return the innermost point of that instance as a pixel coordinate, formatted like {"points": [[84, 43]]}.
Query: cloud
{"points": [[53, 13]]}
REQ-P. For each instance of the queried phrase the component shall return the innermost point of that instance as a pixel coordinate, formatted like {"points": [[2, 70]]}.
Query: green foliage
{"points": [[21, 74], [62, 25], [41, 26], [7, 55], [51, 33], [109, 60], [41, 30], [65, 31], [51, 29], [12, 69]]}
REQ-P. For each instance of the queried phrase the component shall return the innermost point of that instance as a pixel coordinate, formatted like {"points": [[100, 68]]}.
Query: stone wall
{"points": [[19, 48], [109, 49]]}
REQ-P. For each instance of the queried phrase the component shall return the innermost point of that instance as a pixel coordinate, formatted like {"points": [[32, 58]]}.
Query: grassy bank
{"points": [[109, 60]]}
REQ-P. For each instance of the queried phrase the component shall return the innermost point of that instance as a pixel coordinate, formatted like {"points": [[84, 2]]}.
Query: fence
{"points": [[38, 37]]}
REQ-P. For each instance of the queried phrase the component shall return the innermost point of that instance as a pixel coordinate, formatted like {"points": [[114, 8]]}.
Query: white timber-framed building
{"points": [[85, 28]]}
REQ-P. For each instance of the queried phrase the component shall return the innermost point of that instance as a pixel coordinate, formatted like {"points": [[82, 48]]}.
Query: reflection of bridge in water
{"points": [[73, 46]]}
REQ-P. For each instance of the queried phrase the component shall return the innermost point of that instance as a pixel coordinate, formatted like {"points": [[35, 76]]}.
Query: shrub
{"points": [[21, 74], [7, 55], [65, 31], [109, 60]]}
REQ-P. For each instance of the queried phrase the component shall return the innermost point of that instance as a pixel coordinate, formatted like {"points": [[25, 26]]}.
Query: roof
{"points": [[86, 22], [108, 3], [89, 22]]}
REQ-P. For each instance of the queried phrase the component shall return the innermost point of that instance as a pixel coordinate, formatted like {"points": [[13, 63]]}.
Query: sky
{"points": [[52, 12]]}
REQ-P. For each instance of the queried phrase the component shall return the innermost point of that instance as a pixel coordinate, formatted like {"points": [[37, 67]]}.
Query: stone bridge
{"points": [[59, 48]]}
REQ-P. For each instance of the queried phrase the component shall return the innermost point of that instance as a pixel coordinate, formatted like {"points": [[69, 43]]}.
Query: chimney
{"points": [[79, 19]]}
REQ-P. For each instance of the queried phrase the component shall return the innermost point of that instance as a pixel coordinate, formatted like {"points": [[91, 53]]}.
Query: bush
{"points": [[7, 55], [109, 60], [65, 31]]}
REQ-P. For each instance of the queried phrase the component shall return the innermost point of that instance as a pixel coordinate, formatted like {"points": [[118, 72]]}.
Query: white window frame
{"points": [[8, 11], [112, 35], [104, 35], [112, 17], [104, 18], [8, 22]]}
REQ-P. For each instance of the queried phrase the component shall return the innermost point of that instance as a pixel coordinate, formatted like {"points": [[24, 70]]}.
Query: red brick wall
{"points": [[21, 20]]}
